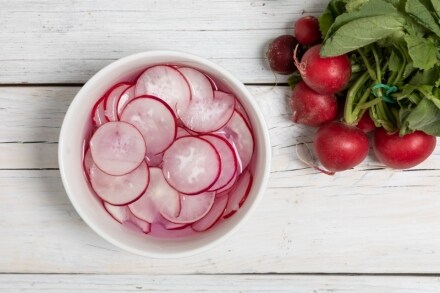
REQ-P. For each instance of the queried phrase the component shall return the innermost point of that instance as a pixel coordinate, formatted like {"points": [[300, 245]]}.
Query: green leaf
{"points": [[426, 77], [423, 16], [425, 117], [436, 6], [422, 51], [371, 8], [294, 79], [333, 9], [353, 5], [361, 32], [394, 62]]}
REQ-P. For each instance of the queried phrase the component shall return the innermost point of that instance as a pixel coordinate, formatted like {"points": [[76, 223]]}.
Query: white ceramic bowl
{"points": [[90, 209]]}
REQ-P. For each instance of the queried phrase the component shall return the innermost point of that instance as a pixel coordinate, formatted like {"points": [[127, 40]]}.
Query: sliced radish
{"points": [[238, 194], [117, 148], [201, 88], [194, 207], [166, 83], [240, 109], [214, 84], [225, 190], [125, 98], [191, 165], [88, 162], [122, 214], [158, 198], [170, 225], [212, 216], [182, 132], [154, 119], [112, 100], [154, 160], [239, 134], [206, 115], [120, 190], [227, 157], [98, 113]]}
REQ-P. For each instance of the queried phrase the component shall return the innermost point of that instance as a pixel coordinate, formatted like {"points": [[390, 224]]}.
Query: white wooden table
{"points": [[369, 229]]}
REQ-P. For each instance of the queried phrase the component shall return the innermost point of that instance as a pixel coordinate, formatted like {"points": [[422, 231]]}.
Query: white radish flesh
{"points": [[239, 134], [154, 119], [238, 194], [193, 207], [125, 98], [122, 214], [98, 113], [166, 83], [214, 214], [191, 165], [120, 190], [159, 198], [207, 115], [88, 162], [200, 86], [112, 100], [117, 148], [227, 157]]}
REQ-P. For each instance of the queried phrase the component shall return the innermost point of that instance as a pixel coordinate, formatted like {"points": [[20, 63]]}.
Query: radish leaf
{"points": [[423, 16], [422, 51]]}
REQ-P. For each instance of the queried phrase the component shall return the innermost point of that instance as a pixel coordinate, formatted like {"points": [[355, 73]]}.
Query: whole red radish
{"points": [[339, 146], [366, 124], [307, 31], [280, 54], [311, 108], [324, 75], [402, 152]]}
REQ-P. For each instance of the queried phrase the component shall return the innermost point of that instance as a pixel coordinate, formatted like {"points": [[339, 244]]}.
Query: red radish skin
{"points": [[307, 31], [238, 194], [159, 198], [339, 146], [191, 165], [154, 119], [166, 83], [112, 100], [213, 216], [120, 190], [402, 152], [280, 54], [194, 207], [366, 124], [311, 108], [122, 214], [98, 113], [87, 162], [117, 148], [125, 98], [227, 157], [324, 75]]}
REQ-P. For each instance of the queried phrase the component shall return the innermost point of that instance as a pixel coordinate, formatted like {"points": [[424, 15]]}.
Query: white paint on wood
{"points": [[221, 284], [68, 41]]}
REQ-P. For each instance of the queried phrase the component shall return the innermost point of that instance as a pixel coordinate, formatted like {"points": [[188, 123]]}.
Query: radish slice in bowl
{"points": [[167, 83], [159, 198], [125, 98], [112, 100], [214, 214], [122, 214], [154, 119], [238, 194], [191, 165], [117, 148], [120, 190], [193, 208]]}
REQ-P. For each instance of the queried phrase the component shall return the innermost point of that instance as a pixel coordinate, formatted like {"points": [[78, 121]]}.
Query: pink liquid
{"points": [[232, 135]]}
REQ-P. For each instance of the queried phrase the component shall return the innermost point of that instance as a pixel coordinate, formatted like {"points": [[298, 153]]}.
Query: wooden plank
{"points": [[360, 222], [223, 284], [68, 41]]}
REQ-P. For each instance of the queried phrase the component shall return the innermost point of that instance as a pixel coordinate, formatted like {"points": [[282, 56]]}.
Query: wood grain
{"points": [[68, 41], [223, 284], [366, 220]]}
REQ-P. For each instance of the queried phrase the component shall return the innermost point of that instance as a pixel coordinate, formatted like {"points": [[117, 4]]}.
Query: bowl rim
{"points": [[264, 135]]}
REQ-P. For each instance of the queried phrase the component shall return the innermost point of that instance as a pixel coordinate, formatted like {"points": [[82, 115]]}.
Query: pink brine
{"points": [[170, 153]]}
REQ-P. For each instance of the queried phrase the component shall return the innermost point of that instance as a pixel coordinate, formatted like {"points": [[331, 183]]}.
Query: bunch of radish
{"points": [[170, 151], [319, 85]]}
